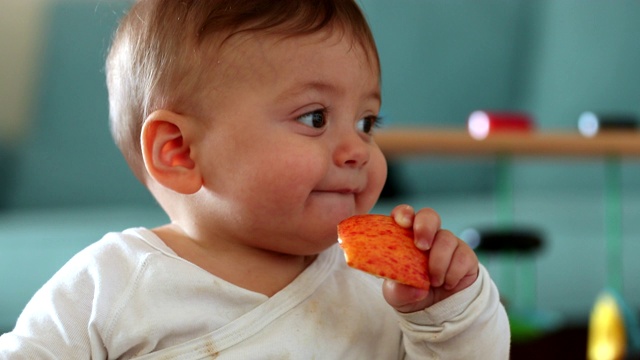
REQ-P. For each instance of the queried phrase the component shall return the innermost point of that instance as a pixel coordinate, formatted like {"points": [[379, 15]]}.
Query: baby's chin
{"points": [[309, 247]]}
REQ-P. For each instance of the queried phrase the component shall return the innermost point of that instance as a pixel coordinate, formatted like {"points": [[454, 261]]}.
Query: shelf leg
{"points": [[504, 219], [519, 272], [613, 222]]}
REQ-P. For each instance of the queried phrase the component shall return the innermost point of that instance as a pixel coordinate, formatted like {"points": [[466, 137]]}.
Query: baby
{"points": [[252, 124]]}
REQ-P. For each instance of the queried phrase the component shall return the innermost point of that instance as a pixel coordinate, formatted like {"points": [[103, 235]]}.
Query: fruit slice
{"points": [[377, 245]]}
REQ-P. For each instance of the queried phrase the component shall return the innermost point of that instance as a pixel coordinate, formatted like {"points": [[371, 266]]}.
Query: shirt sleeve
{"points": [[471, 324], [64, 319], [54, 323]]}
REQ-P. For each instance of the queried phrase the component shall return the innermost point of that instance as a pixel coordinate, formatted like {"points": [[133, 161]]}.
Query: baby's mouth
{"points": [[337, 191]]}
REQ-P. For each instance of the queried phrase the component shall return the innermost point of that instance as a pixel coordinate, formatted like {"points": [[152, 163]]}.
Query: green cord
{"points": [[504, 191]]}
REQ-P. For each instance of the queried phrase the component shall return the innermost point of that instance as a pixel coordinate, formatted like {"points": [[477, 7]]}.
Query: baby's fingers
{"points": [[452, 264], [404, 298], [426, 225], [463, 270], [444, 246], [403, 215], [426, 222]]}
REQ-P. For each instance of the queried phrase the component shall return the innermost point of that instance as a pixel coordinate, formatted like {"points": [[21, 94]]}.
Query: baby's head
{"points": [[164, 53]]}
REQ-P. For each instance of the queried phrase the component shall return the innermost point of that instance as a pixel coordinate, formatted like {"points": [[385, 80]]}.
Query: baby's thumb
{"points": [[404, 298]]}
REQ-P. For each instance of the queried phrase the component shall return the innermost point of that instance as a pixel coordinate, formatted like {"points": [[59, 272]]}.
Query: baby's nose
{"points": [[352, 151]]}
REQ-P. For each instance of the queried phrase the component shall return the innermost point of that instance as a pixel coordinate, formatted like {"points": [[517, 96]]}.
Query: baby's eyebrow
{"points": [[301, 88], [320, 87]]}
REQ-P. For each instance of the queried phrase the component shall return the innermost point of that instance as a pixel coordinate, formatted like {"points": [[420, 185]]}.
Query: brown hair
{"points": [[157, 52]]}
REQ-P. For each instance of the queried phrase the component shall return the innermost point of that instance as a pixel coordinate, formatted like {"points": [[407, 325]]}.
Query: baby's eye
{"points": [[315, 119], [367, 124]]}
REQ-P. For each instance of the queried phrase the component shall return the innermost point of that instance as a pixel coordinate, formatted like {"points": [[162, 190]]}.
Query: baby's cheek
{"points": [[370, 196], [377, 172], [364, 203]]}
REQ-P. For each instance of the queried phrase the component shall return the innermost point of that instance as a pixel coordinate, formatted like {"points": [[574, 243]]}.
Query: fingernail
{"points": [[420, 294], [423, 244], [449, 287], [404, 221]]}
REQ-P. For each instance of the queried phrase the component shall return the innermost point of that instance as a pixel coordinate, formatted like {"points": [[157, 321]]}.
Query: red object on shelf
{"points": [[483, 123]]}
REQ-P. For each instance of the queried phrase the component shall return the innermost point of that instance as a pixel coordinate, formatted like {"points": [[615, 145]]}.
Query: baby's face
{"points": [[288, 151]]}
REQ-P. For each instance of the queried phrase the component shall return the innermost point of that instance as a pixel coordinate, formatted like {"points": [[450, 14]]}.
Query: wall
{"points": [[21, 27], [441, 60]]}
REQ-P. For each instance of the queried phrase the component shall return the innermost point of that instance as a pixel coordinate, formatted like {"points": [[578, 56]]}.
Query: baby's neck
{"points": [[257, 270]]}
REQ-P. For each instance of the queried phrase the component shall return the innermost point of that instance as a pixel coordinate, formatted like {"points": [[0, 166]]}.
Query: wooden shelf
{"points": [[425, 141]]}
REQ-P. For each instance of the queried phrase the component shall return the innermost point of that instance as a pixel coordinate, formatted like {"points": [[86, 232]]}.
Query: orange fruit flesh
{"points": [[377, 245]]}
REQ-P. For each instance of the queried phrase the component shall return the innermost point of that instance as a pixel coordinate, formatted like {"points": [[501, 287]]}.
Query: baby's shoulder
{"points": [[116, 250], [110, 262]]}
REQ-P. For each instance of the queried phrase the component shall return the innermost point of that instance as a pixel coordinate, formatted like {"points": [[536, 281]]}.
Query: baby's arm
{"points": [[461, 315], [54, 324]]}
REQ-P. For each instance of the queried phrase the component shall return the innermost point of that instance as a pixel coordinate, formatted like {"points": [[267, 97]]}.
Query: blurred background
{"points": [[63, 183]]}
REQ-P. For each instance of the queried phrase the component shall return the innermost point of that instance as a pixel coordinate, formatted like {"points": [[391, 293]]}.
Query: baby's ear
{"points": [[166, 150]]}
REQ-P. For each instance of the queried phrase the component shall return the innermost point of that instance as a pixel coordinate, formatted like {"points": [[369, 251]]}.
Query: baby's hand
{"points": [[453, 266]]}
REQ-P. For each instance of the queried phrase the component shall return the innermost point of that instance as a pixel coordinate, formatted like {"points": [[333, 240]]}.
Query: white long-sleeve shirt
{"points": [[130, 296]]}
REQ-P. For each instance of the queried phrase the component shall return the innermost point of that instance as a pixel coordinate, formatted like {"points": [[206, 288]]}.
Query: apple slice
{"points": [[377, 245]]}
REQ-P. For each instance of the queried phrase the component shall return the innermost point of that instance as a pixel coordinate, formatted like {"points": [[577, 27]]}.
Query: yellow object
{"points": [[607, 335]]}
